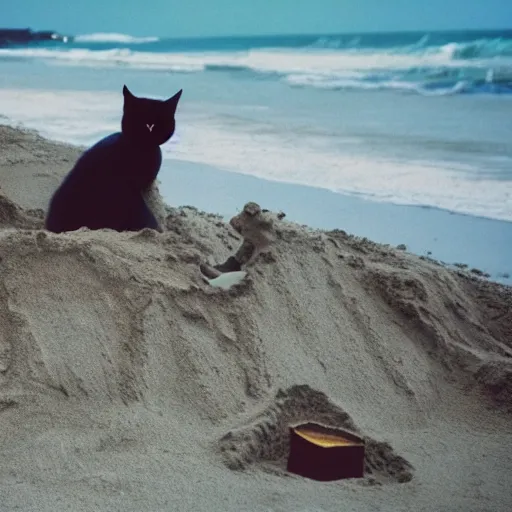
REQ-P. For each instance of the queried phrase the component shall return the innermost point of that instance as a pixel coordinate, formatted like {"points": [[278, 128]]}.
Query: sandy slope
{"points": [[126, 383]]}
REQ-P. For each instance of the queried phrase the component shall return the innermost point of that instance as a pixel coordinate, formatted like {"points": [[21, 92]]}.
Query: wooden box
{"points": [[325, 453]]}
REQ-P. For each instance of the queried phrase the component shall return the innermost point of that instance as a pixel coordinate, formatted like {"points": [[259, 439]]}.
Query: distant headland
{"points": [[13, 36]]}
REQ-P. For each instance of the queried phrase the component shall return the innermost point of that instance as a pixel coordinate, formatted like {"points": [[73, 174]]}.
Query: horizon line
{"points": [[283, 34]]}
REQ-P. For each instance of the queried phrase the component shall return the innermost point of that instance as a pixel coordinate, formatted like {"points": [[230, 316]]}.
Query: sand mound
{"points": [[104, 307], [92, 292], [496, 378], [265, 438], [12, 216], [124, 376]]}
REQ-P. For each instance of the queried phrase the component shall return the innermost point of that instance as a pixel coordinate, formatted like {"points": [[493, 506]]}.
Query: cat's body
{"points": [[105, 187]]}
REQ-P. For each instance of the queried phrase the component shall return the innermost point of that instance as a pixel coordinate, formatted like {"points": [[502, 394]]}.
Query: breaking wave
{"points": [[101, 37], [428, 65]]}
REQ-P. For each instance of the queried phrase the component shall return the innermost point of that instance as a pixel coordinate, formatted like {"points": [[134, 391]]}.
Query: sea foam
{"points": [[483, 66], [102, 37]]}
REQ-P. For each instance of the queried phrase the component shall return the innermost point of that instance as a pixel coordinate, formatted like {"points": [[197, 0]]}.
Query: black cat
{"points": [[105, 187]]}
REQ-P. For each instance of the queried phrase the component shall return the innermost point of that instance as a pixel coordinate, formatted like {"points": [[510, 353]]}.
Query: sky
{"points": [[190, 18]]}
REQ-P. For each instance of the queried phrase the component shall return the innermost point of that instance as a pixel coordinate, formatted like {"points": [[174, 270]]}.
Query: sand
{"points": [[128, 383]]}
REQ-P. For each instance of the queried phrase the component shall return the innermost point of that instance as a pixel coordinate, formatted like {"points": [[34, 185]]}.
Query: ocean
{"points": [[402, 118]]}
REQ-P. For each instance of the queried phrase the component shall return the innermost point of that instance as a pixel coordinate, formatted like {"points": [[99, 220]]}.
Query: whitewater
{"points": [[421, 119], [430, 64]]}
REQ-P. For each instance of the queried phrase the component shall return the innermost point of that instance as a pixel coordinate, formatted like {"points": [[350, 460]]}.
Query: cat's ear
{"points": [[173, 102], [127, 94]]}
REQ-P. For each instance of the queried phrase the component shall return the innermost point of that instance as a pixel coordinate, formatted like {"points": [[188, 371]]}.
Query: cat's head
{"points": [[146, 121]]}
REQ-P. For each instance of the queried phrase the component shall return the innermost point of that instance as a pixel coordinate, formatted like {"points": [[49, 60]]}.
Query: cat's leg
{"points": [[53, 221], [140, 217], [63, 213]]}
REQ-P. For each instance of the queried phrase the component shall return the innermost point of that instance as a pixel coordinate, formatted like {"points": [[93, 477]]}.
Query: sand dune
{"points": [[128, 383]]}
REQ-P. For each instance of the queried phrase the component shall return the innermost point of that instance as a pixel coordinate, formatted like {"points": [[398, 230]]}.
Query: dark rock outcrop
{"points": [[12, 36]]}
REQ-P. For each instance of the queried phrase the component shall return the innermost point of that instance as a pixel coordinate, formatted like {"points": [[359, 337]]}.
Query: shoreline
{"points": [[449, 237]]}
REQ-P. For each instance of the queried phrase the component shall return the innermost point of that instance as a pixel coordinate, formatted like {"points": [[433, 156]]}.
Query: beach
{"points": [[400, 138], [382, 307], [128, 383]]}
